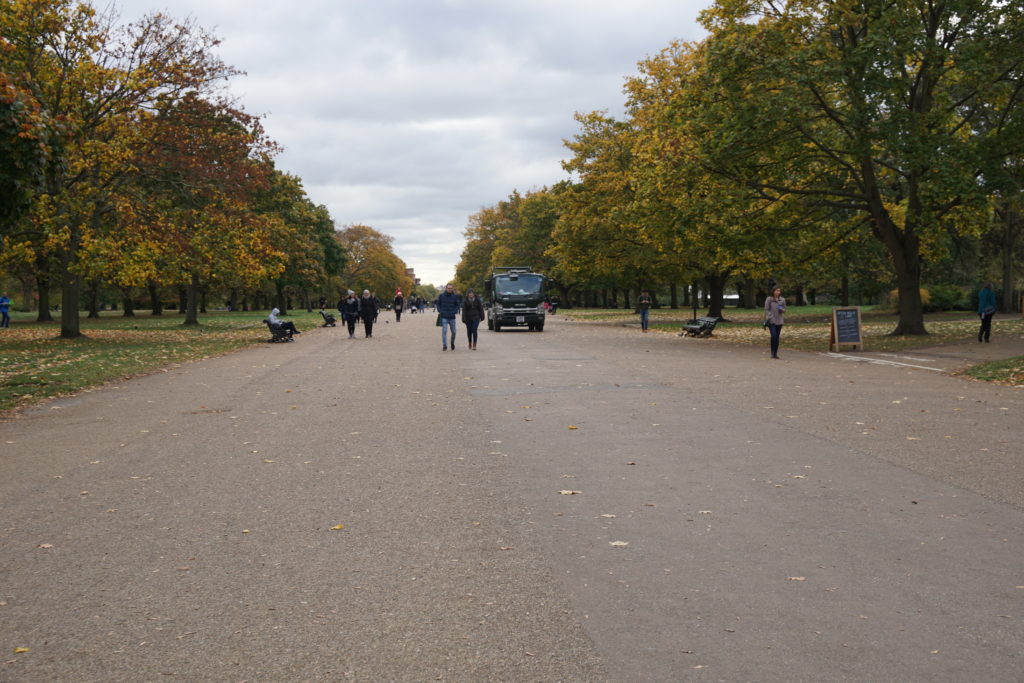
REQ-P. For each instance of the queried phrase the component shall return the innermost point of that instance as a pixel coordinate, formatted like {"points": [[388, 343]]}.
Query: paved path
{"points": [[810, 519]]}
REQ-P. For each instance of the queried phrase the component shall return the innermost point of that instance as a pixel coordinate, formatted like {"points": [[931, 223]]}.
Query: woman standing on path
{"points": [[399, 304], [349, 310], [368, 312], [472, 314], [774, 307], [986, 309]]}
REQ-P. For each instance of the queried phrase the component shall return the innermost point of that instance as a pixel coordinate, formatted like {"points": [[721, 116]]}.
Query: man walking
{"points": [[448, 305], [5, 307]]}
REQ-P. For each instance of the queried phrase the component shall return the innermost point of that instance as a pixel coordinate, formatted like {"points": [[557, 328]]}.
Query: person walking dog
{"points": [[774, 308], [448, 305], [472, 314], [986, 309]]}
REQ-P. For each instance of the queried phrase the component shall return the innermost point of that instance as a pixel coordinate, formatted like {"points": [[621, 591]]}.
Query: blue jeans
{"points": [[645, 317], [776, 331], [445, 324]]}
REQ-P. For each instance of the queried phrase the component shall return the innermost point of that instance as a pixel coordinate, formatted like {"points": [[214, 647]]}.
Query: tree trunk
{"points": [[94, 300], [307, 300], [626, 305], [282, 302], [844, 291], [1011, 231], [154, 299], [192, 301], [43, 287], [749, 294], [129, 303], [70, 296], [202, 299], [26, 295], [904, 248], [716, 292], [674, 292], [182, 299]]}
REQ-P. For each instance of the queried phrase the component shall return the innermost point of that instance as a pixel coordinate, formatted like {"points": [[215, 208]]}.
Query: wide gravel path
{"points": [[585, 504]]}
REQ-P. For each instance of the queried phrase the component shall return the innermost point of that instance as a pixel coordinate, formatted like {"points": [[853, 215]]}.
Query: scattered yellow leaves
{"points": [[19, 650], [573, 427], [337, 527]]}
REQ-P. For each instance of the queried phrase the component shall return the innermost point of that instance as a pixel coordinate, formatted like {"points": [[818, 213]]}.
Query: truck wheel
{"points": [[490, 323], [497, 326], [540, 327]]}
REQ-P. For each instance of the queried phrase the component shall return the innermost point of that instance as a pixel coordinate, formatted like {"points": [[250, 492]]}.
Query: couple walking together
{"points": [[352, 309], [448, 306]]}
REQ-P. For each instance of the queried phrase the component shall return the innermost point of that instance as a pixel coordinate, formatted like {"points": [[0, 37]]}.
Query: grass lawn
{"points": [[808, 327], [38, 364], [1009, 371]]}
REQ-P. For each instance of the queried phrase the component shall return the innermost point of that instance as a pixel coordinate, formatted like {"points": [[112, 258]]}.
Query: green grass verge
{"points": [[808, 327], [1009, 371], [38, 364]]}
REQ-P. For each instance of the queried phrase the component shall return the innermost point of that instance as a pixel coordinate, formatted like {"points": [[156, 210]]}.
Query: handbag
{"points": [[437, 323]]}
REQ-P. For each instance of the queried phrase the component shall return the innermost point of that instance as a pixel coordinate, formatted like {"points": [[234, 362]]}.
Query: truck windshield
{"points": [[522, 285]]}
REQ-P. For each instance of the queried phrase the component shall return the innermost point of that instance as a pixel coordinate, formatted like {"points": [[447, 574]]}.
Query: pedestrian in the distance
{"points": [[368, 312], [5, 309], [448, 305], [774, 308], [349, 310], [986, 309], [472, 314], [399, 304], [643, 306]]}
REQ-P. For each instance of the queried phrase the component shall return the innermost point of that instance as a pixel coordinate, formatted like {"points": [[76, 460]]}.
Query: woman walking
{"points": [[368, 312], [774, 307], [986, 309], [472, 314], [349, 310]]}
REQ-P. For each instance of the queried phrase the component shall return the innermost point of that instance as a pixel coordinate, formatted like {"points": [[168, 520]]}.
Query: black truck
{"points": [[515, 297]]}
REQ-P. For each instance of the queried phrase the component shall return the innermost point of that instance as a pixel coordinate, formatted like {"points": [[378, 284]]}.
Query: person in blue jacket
{"points": [[5, 307], [986, 309], [448, 305]]}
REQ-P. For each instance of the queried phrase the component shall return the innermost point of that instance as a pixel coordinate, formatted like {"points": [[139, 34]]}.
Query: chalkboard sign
{"points": [[846, 328]]}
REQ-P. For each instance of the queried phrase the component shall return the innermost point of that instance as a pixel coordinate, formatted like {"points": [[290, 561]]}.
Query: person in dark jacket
{"points": [[349, 310], [472, 314], [448, 305], [986, 309], [368, 312], [643, 306], [399, 304]]}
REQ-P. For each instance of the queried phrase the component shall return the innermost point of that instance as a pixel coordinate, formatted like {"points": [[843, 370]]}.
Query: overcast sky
{"points": [[411, 115]]}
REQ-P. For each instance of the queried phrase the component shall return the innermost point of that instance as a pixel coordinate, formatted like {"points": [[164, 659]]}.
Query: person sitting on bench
{"points": [[286, 325]]}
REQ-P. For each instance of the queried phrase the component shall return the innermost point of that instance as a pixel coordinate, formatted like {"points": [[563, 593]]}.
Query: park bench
{"points": [[329, 320], [277, 332], [701, 327]]}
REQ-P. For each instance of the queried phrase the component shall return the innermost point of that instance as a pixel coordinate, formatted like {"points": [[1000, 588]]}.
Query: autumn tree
{"points": [[97, 80], [866, 107], [371, 263]]}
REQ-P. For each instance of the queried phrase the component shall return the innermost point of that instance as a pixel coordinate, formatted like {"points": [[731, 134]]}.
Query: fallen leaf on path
{"points": [[337, 527], [268, 461], [608, 516], [45, 546], [19, 650], [618, 544], [567, 492], [798, 578], [573, 427], [245, 531]]}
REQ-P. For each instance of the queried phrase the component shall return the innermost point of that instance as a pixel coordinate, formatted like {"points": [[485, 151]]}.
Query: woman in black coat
{"points": [[349, 310], [472, 314], [368, 311]]}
